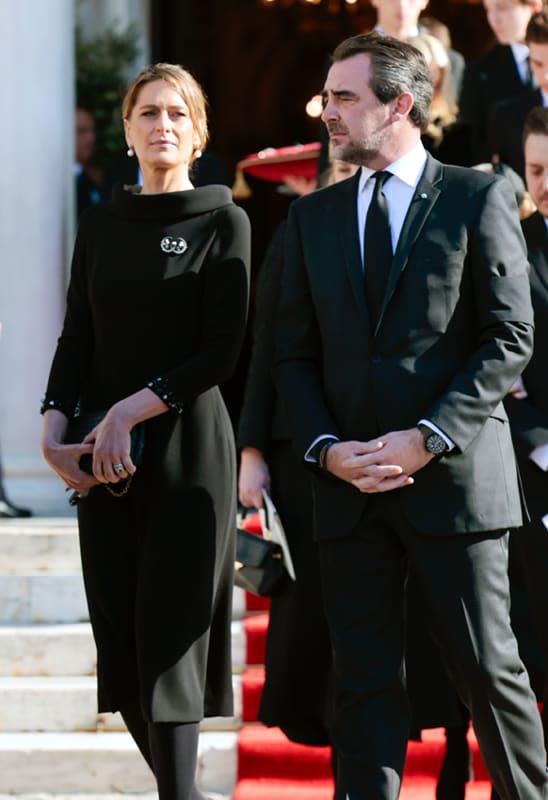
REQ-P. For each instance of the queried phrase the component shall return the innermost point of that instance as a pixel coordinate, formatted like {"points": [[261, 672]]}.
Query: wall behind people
{"points": [[35, 208]]}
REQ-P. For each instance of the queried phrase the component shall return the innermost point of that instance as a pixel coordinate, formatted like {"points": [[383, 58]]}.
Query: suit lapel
{"points": [[422, 203], [344, 211]]}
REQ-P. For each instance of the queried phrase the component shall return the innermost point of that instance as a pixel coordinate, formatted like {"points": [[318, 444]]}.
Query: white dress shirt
{"points": [[520, 52]]}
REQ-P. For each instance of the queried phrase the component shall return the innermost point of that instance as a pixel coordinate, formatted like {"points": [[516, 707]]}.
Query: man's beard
{"points": [[361, 153]]}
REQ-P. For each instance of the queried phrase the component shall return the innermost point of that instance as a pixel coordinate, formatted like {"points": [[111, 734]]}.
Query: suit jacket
{"points": [[490, 79], [262, 418], [529, 417], [506, 128], [455, 330]]}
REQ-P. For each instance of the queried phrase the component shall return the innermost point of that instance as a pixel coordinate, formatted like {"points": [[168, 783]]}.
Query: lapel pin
{"points": [[423, 196]]}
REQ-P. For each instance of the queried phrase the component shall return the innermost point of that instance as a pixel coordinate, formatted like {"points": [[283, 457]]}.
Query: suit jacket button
{"points": [[376, 359]]}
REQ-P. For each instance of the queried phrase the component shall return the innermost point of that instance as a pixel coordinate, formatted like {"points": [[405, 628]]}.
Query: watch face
{"points": [[435, 444]]}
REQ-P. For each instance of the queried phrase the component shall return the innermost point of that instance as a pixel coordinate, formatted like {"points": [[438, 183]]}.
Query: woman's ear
{"points": [[127, 127]]}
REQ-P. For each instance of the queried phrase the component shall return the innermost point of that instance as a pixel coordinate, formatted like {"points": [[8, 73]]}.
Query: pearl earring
{"points": [[197, 153], [130, 151]]}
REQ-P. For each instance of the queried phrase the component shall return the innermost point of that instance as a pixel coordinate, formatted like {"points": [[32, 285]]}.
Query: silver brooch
{"points": [[173, 245]]}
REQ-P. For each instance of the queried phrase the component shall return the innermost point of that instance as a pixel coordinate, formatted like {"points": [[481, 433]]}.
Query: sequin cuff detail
{"points": [[59, 405], [160, 387]]}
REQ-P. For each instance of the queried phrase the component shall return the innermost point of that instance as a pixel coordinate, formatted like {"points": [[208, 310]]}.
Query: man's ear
{"points": [[402, 104]]}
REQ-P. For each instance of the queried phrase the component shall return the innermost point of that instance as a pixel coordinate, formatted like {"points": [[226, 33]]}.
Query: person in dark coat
{"points": [[502, 72], [527, 405], [88, 190], [508, 118], [156, 311], [298, 663]]}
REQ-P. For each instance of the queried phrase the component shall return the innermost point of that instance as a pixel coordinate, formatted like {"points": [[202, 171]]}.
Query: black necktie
{"points": [[529, 79], [377, 248]]}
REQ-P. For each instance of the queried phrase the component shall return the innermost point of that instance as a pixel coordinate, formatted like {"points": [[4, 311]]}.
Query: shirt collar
{"points": [[520, 52], [544, 96], [408, 168]]}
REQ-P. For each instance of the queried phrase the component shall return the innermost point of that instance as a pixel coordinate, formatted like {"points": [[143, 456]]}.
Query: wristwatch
{"points": [[433, 442], [319, 451]]}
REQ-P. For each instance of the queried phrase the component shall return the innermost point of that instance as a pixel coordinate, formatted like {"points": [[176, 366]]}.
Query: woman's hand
{"points": [[64, 458], [254, 477], [111, 445], [111, 438]]}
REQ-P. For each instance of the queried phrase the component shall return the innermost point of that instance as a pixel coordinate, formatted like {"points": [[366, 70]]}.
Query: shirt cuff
{"points": [[539, 456], [544, 521], [311, 455], [449, 442]]}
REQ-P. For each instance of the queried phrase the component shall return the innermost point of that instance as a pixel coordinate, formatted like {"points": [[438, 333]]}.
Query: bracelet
{"points": [[323, 453]]}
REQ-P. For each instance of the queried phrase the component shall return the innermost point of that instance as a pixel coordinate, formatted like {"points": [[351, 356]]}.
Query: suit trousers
{"points": [[465, 583]]}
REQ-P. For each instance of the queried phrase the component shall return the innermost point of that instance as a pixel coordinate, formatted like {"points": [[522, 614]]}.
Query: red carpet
{"points": [[272, 768]]}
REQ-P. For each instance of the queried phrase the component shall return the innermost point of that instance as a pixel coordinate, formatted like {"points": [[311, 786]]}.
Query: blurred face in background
{"points": [[399, 17], [509, 18], [85, 136], [536, 170], [538, 59]]}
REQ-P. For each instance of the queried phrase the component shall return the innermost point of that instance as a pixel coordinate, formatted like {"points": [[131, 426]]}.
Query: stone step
{"points": [[30, 599], [40, 650], [69, 703], [98, 763], [102, 796], [55, 650], [39, 546], [50, 599]]}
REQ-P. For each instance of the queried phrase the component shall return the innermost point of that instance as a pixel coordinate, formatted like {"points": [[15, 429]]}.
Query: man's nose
{"points": [[329, 112]]}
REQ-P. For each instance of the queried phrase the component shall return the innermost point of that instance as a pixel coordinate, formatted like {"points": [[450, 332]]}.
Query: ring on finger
{"points": [[118, 468]]}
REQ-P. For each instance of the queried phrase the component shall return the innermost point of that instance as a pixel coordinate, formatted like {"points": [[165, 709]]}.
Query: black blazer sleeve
{"points": [[256, 418]]}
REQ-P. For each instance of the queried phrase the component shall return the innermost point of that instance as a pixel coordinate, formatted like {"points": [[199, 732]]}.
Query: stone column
{"points": [[36, 200]]}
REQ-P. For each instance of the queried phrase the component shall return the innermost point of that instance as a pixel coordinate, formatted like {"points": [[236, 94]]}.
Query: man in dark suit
{"points": [[395, 402], [502, 72], [527, 405], [87, 188], [506, 126]]}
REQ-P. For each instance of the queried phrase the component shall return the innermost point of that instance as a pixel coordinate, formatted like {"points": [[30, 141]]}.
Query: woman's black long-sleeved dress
{"points": [[158, 298]]}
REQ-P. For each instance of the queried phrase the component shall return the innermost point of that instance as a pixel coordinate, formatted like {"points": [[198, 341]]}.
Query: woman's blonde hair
{"points": [[183, 83]]}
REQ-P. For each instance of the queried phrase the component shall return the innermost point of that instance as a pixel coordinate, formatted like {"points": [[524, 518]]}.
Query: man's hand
{"points": [[254, 477], [382, 464], [517, 389], [359, 464]]}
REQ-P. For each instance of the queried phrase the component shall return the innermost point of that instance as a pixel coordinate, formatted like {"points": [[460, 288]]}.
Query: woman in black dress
{"points": [[155, 318]]}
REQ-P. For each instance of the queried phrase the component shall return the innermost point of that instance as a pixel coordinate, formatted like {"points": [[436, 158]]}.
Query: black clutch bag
{"points": [[79, 427], [259, 565]]}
